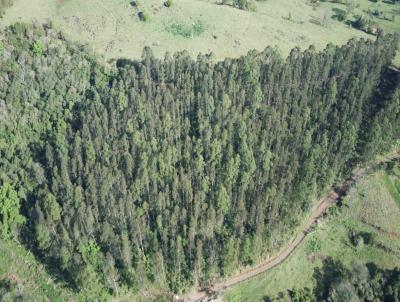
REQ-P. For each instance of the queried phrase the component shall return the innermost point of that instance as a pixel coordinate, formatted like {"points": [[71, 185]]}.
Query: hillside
{"points": [[159, 175]]}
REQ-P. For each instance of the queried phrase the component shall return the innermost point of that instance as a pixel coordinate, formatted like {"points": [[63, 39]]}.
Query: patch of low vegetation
{"points": [[185, 30], [37, 48]]}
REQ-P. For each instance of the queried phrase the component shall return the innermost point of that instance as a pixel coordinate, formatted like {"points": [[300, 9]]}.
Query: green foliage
{"points": [[37, 48], [358, 239], [313, 245], [366, 24], [90, 252], [359, 283], [244, 4], [143, 16], [393, 184], [341, 14], [301, 295], [188, 31], [367, 209], [10, 217], [223, 202], [169, 3], [173, 171]]}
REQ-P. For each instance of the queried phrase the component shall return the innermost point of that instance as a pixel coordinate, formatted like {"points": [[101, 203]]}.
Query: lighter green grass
{"points": [[19, 265], [112, 28], [393, 186], [369, 207]]}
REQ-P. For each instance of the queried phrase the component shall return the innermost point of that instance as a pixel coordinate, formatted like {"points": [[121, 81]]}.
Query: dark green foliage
{"points": [[37, 48], [10, 217], [168, 3], [175, 171], [186, 30], [336, 283], [366, 24], [358, 239], [384, 122], [143, 16], [340, 14]]}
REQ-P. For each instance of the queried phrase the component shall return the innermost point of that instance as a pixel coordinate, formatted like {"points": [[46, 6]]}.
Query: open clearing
{"points": [[371, 206], [113, 29]]}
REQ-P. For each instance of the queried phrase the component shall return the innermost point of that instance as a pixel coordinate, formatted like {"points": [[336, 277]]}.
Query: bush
{"points": [[340, 14], [168, 3], [358, 239], [244, 4], [313, 246], [367, 25], [143, 16], [37, 48], [9, 211], [186, 31]]}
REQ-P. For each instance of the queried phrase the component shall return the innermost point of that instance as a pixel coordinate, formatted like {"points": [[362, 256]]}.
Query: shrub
{"points": [[168, 3], [244, 4], [9, 211], [313, 246], [358, 239], [143, 16], [37, 48], [340, 14], [187, 31]]}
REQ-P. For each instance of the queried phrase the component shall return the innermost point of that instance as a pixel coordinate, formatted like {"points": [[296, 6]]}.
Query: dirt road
{"points": [[317, 211]]}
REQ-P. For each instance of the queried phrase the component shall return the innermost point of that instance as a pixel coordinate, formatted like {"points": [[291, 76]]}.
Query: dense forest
{"points": [[176, 171]]}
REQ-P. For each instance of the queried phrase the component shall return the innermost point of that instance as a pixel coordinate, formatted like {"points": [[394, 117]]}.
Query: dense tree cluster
{"points": [[336, 283], [176, 171]]}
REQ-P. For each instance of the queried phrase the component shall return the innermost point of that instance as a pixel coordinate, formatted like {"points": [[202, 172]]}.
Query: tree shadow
{"points": [[332, 271]]}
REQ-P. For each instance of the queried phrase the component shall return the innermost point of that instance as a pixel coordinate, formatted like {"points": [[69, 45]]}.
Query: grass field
{"points": [[113, 29], [372, 206], [28, 277], [30, 280]]}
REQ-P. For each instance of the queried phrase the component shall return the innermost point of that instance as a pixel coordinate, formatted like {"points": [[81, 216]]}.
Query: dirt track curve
{"points": [[317, 211]]}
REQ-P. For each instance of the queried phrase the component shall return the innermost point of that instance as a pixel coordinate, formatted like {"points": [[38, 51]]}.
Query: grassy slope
{"points": [[112, 27], [371, 207], [36, 284], [19, 265]]}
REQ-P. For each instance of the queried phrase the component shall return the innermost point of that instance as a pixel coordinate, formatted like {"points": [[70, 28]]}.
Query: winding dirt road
{"points": [[317, 211]]}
